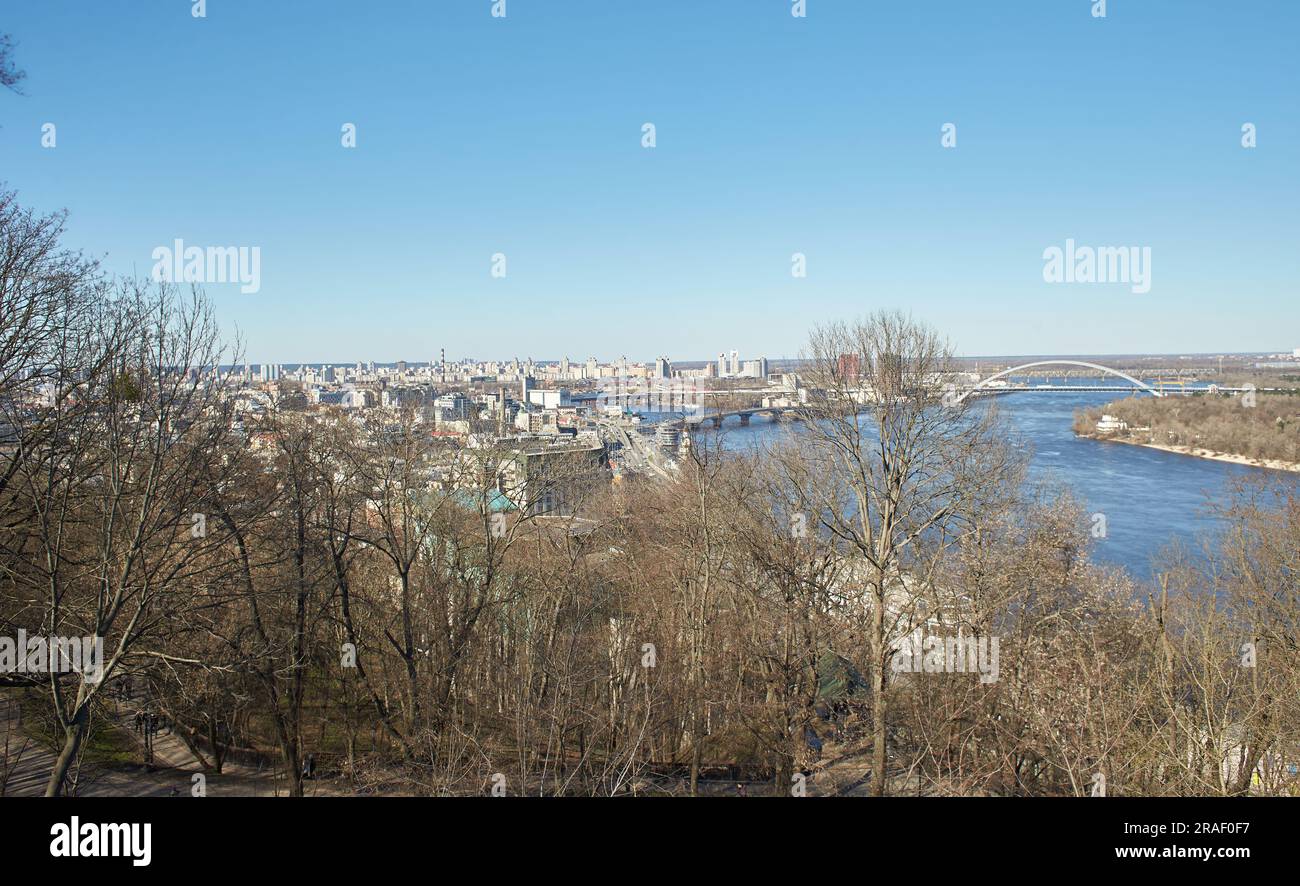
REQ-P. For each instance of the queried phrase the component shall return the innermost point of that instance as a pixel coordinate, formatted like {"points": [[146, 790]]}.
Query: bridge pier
{"points": [[744, 418], [717, 421]]}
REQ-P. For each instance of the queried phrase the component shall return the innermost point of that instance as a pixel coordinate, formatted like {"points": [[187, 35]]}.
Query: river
{"points": [[1149, 498]]}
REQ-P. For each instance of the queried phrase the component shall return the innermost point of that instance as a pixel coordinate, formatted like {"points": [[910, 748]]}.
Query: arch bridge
{"points": [[983, 384]]}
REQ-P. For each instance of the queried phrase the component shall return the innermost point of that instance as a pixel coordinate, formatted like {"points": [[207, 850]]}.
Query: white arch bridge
{"points": [[983, 384]]}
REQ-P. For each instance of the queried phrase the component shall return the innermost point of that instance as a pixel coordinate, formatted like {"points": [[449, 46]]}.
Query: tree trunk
{"points": [[697, 751], [878, 754], [74, 734]]}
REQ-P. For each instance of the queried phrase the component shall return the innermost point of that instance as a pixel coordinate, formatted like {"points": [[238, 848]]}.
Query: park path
{"points": [[29, 764]]}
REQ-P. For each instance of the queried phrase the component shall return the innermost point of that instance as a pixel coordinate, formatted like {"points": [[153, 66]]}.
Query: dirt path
{"points": [[29, 764]]}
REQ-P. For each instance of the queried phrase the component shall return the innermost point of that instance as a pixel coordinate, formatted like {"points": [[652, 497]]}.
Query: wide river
{"points": [[1149, 498]]}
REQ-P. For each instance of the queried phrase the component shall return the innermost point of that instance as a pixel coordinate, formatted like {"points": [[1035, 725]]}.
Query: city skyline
{"points": [[742, 356]]}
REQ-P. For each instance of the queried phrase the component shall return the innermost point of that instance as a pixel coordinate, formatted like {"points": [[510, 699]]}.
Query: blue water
{"points": [[1149, 498]]}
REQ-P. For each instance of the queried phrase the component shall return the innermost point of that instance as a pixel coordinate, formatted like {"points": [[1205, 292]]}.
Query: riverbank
{"points": [[1195, 452], [1212, 427]]}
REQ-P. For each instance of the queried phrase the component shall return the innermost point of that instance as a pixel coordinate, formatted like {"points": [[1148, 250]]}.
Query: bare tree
{"points": [[903, 466], [110, 545]]}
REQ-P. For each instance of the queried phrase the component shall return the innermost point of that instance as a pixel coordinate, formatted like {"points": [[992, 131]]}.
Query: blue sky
{"points": [[775, 135]]}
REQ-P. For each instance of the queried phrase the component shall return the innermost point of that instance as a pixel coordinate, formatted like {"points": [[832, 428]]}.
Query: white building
{"points": [[451, 407], [549, 399]]}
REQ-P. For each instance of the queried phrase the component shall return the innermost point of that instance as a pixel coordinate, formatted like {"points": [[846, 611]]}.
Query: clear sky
{"points": [[775, 135]]}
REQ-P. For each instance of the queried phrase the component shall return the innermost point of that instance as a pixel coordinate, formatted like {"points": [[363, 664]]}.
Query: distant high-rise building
{"points": [[722, 365], [735, 363], [849, 367], [663, 369]]}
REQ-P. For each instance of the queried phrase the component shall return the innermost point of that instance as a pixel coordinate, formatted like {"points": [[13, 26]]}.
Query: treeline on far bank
{"points": [[1257, 425]]}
